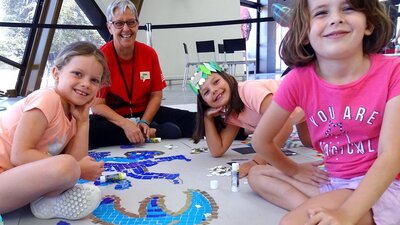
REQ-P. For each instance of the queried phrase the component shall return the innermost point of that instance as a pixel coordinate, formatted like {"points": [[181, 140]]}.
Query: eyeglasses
{"points": [[119, 24]]}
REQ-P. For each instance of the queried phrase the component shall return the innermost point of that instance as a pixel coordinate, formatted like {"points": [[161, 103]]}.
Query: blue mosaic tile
{"points": [[200, 210], [135, 164]]}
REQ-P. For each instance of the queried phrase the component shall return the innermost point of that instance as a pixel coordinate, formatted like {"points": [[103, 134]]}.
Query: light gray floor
{"points": [[243, 207], [175, 95]]}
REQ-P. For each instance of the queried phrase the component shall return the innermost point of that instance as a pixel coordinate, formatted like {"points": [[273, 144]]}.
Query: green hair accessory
{"points": [[203, 71]]}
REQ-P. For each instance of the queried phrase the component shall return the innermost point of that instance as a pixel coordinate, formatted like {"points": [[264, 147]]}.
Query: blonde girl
{"points": [[44, 140]]}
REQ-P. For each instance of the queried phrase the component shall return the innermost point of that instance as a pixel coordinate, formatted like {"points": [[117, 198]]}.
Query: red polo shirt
{"points": [[147, 77]]}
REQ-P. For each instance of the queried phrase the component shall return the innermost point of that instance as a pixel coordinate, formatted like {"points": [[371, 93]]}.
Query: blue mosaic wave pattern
{"points": [[200, 209]]}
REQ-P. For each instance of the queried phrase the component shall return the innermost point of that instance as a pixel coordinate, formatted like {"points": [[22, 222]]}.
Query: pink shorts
{"points": [[385, 210]]}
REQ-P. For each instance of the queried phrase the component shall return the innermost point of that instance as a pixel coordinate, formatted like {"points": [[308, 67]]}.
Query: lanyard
{"points": [[128, 91]]}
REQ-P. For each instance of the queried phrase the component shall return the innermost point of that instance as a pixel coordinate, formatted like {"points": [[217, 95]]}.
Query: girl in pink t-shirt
{"points": [[44, 140], [351, 99], [224, 106]]}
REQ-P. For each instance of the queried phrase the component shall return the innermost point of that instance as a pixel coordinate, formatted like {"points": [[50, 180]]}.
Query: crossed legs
{"points": [[48, 177], [295, 196]]}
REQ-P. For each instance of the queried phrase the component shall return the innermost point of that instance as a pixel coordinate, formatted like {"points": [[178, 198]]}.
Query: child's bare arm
{"points": [[27, 134], [246, 166], [264, 143], [263, 140], [286, 129], [304, 134], [218, 142], [78, 145]]}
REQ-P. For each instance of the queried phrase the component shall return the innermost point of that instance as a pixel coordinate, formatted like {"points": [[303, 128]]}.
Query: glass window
{"points": [[13, 42], [13, 39], [8, 77], [280, 34], [70, 14], [281, 14], [20, 11]]}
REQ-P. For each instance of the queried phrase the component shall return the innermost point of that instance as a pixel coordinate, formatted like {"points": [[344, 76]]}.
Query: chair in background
{"points": [[207, 47], [187, 66], [237, 45], [221, 51]]}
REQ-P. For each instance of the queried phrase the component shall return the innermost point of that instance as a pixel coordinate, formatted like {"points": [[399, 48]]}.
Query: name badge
{"points": [[145, 75]]}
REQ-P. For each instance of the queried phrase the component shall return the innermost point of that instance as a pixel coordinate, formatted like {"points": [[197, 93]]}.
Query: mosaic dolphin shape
{"points": [[200, 208]]}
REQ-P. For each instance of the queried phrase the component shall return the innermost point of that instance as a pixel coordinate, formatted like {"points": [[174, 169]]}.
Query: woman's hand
{"points": [[90, 169], [133, 132], [145, 129], [310, 173]]}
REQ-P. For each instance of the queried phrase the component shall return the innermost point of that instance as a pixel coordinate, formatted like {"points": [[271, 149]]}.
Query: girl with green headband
{"points": [[224, 106]]}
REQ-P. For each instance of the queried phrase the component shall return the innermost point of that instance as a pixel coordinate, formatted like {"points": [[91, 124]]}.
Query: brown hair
{"points": [[295, 49], [235, 105]]}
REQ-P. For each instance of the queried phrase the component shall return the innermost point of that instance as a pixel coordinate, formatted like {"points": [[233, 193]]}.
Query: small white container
{"points": [[214, 184]]}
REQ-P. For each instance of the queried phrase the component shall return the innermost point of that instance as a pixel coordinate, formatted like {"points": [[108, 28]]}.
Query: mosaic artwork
{"points": [[135, 164], [292, 142], [200, 208]]}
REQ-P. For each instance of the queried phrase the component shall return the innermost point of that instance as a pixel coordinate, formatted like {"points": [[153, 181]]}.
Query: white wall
{"points": [[168, 42]]}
